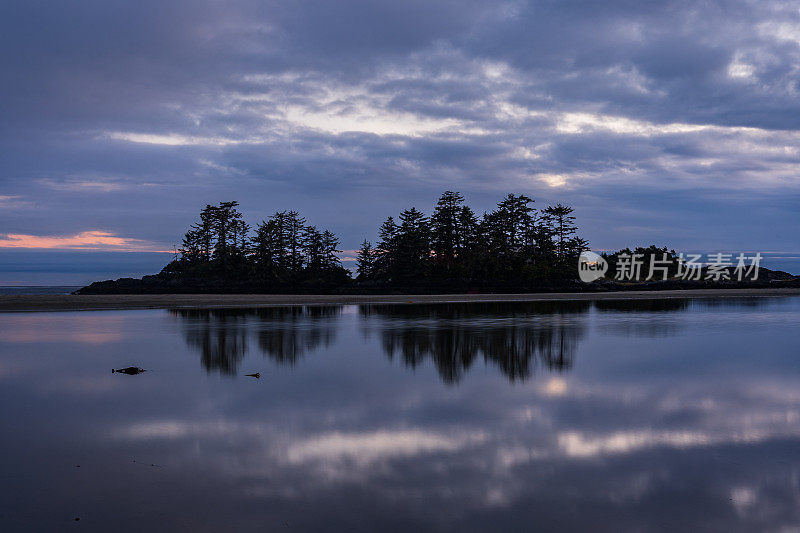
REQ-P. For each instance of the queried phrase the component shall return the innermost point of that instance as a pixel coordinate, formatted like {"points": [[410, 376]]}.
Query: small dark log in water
{"points": [[131, 370]]}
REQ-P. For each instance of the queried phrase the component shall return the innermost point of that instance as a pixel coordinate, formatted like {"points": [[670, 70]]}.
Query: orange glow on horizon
{"points": [[85, 240]]}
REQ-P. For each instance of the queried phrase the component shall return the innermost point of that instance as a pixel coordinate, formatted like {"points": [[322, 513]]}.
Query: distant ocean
{"points": [[37, 289]]}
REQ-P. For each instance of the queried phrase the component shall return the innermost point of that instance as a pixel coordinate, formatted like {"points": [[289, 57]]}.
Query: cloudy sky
{"points": [[660, 122]]}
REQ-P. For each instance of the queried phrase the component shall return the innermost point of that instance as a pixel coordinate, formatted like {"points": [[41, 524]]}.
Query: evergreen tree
{"points": [[191, 248], [365, 261], [205, 231], [313, 249], [330, 251], [386, 251], [413, 247], [268, 248], [446, 231], [293, 235], [515, 220], [512, 244], [468, 230], [563, 227]]}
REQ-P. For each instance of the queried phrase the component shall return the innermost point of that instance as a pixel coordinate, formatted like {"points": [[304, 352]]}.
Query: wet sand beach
{"points": [[68, 302]]}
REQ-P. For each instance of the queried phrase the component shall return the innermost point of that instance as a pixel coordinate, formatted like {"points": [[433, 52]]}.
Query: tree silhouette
{"points": [[519, 339], [365, 261], [446, 232], [559, 218], [413, 246], [511, 246], [284, 334], [454, 336], [387, 250]]}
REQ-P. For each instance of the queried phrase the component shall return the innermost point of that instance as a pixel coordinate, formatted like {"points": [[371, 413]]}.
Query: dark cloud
{"points": [[129, 117]]}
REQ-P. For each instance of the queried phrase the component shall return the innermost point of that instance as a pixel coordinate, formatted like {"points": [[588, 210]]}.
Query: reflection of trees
{"points": [[219, 335], [649, 320], [518, 337], [286, 333], [282, 333], [515, 337]]}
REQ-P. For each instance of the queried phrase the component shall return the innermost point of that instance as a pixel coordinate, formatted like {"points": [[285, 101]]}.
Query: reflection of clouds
{"points": [[536, 433], [155, 430], [362, 447], [80, 328], [465, 465], [636, 433], [367, 447], [743, 498], [576, 444], [555, 387]]}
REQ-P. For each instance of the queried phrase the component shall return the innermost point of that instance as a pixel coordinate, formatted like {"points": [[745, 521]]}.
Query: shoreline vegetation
{"points": [[513, 249], [108, 302]]}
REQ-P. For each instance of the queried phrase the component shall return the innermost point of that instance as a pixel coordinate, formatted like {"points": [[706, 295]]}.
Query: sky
{"points": [[669, 122]]}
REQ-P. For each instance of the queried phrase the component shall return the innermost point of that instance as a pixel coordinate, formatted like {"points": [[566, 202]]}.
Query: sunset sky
{"points": [[674, 123]]}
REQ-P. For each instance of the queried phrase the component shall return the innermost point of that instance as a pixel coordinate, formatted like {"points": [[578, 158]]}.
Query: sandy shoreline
{"points": [[64, 302]]}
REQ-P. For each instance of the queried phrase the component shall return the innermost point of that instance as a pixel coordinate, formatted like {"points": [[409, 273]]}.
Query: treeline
{"points": [[283, 250], [511, 249], [514, 243]]}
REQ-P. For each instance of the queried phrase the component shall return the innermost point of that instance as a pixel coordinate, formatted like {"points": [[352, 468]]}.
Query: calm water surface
{"points": [[649, 415]]}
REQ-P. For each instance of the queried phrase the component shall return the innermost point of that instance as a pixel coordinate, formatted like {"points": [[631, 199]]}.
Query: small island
{"points": [[513, 249]]}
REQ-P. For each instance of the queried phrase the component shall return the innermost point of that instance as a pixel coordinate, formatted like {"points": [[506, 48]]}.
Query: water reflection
{"points": [[693, 427], [515, 338], [639, 306], [284, 334]]}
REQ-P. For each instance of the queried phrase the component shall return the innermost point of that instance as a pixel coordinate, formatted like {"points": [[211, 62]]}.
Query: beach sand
{"points": [[65, 302]]}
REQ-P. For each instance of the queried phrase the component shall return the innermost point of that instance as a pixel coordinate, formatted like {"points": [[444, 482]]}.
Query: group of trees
{"points": [[283, 249], [513, 243]]}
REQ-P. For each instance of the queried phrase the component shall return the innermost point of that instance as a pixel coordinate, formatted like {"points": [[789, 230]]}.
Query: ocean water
{"points": [[20, 290], [662, 415]]}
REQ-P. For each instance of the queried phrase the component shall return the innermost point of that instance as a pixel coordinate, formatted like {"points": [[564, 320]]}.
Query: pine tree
{"points": [[330, 251], [365, 261], [313, 249], [510, 244], [515, 219], [293, 235], [446, 231], [413, 250], [562, 223], [205, 231], [386, 250], [266, 248]]}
